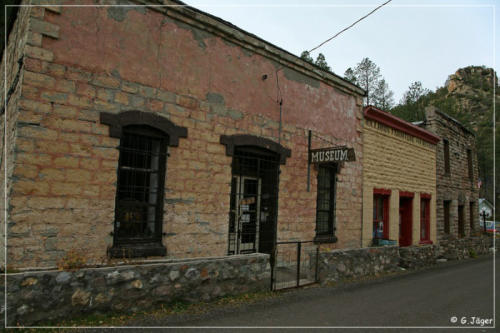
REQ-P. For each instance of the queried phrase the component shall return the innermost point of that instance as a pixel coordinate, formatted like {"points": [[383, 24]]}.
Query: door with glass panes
{"points": [[247, 214], [253, 202]]}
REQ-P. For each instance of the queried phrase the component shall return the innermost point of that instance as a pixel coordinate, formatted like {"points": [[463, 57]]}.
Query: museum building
{"points": [[166, 132]]}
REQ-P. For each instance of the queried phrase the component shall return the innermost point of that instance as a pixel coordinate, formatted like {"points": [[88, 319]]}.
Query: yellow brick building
{"points": [[399, 181]]}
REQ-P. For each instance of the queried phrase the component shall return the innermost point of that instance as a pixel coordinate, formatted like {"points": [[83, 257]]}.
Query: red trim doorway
{"points": [[405, 220]]}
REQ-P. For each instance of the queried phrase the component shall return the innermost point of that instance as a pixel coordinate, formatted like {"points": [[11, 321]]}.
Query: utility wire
{"points": [[338, 33]]}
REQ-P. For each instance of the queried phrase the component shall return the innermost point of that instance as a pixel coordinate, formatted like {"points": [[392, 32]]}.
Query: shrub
{"points": [[72, 260]]}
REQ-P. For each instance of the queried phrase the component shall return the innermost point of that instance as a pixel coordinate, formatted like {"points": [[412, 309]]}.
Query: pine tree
{"points": [[367, 76], [383, 97], [307, 57], [321, 62], [349, 76]]}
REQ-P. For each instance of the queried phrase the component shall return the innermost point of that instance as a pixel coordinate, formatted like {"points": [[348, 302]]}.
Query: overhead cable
{"points": [[338, 33]]}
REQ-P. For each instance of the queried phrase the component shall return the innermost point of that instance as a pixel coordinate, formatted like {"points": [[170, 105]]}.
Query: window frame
{"points": [[472, 218], [328, 236], [461, 221], [385, 196], [150, 133], [117, 122], [446, 216], [425, 221]]}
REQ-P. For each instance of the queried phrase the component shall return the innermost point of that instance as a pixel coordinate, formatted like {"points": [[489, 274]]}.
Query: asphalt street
{"points": [[436, 297]]}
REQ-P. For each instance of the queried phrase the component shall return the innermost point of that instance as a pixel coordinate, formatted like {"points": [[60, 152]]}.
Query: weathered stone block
{"points": [[44, 28], [39, 53]]}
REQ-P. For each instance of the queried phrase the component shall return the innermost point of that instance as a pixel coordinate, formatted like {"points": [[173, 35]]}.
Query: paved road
{"points": [[426, 298]]}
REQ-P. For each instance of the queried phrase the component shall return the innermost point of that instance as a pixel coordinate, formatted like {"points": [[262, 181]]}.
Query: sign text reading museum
{"points": [[331, 155]]}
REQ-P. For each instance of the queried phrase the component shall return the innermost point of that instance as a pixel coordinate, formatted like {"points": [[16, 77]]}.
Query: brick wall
{"points": [[456, 186], [198, 73], [397, 162]]}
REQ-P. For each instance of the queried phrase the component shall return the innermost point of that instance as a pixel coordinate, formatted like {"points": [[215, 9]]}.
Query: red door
{"points": [[405, 221]]}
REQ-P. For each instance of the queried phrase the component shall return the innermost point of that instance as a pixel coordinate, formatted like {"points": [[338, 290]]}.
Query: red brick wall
{"points": [[100, 59]]}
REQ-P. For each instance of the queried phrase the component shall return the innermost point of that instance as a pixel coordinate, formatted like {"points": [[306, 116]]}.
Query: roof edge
{"points": [[388, 119], [201, 20], [450, 118]]}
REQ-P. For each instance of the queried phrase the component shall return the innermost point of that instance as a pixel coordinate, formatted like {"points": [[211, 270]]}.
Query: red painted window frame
{"points": [[384, 194], [425, 220], [406, 194]]}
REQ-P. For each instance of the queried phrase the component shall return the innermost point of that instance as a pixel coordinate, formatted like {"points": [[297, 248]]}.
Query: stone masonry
{"points": [[190, 68], [397, 161], [53, 295], [456, 186]]}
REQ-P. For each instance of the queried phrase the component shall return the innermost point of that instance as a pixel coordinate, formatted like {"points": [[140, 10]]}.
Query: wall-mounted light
{"points": [[264, 77]]}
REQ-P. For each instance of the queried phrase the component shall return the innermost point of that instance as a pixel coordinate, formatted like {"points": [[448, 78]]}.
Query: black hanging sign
{"points": [[331, 155]]}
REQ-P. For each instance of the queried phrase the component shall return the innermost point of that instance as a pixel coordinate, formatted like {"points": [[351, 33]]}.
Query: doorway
{"points": [[405, 221], [253, 204]]}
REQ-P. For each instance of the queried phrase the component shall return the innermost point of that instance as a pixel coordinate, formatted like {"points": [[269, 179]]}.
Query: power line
{"points": [[338, 33]]}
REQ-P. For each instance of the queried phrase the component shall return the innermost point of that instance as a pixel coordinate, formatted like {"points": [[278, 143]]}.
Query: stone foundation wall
{"points": [[413, 257], [338, 265], [463, 248], [53, 295]]}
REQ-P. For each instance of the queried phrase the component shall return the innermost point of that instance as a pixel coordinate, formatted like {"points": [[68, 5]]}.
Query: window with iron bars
{"points": [[140, 187], [325, 204]]}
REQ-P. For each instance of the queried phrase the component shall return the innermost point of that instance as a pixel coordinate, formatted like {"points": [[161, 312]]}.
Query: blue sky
{"points": [[409, 40]]}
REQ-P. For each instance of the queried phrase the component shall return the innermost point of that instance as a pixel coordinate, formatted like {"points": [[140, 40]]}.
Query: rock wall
{"points": [[463, 248], [338, 265], [52, 295], [414, 257]]}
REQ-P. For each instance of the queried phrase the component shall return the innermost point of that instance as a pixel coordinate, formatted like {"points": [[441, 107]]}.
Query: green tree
{"points": [[383, 97], [307, 57], [367, 75], [412, 104], [414, 92], [349, 75], [321, 62]]}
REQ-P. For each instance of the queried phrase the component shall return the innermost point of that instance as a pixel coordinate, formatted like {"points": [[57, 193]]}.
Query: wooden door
{"points": [[405, 221]]}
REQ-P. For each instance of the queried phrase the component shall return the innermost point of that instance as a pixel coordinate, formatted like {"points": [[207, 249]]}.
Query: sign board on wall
{"points": [[331, 155]]}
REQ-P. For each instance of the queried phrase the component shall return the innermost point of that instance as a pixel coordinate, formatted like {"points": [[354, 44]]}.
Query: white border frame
{"points": [[247, 6]]}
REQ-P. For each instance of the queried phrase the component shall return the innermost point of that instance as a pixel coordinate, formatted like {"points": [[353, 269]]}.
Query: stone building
{"points": [[457, 176], [167, 132], [399, 180]]}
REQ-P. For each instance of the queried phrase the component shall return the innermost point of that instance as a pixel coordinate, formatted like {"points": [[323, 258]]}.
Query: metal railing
{"points": [[294, 264]]}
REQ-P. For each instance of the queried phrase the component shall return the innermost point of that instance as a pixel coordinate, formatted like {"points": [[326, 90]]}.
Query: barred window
{"points": [[141, 178], [325, 205], [144, 138]]}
